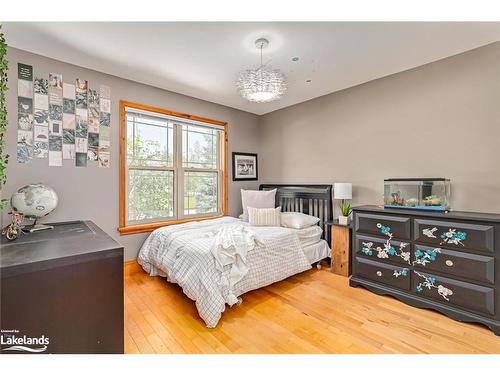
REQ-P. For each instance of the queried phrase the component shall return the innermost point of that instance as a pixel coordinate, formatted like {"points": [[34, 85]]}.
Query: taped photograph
{"points": [[104, 146], [41, 101], [41, 149], [41, 86], [81, 145], [105, 105], [81, 159], [24, 146], [92, 154], [68, 106], [68, 151], [81, 93], [55, 158], [55, 128], [69, 121], [25, 121], [81, 127], [105, 119], [104, 92], [55, 143], [25, 88], [68, 136], [41, 133], [24, 105], [41, 117], [68, 91], [104, 159], [93, 99], [55, 112], [55, 89]]}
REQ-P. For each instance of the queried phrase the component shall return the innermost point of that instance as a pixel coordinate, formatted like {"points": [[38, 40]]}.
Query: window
{"points": [[172, 168]]}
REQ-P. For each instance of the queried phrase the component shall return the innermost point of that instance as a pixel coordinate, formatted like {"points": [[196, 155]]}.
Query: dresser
{"points": [[62, 291], [441, 261]]}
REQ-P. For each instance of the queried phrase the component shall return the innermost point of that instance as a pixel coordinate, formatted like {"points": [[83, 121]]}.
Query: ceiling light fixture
{"points": [[262, 84]]}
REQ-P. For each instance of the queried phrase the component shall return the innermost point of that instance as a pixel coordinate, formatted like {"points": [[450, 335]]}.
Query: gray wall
{"points": [[438, 120], [441, 119], [92, 193]]}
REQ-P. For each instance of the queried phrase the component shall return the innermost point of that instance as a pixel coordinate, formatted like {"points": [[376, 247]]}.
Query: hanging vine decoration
{"points": [[430, 283], [4, 158], [388, 249]]}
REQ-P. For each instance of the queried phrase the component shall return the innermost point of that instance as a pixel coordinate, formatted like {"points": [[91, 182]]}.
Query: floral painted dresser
{"points": [[442, 261]]}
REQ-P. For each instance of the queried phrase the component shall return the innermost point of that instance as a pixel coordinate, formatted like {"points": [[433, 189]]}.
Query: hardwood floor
{"points": [[313, 312]]}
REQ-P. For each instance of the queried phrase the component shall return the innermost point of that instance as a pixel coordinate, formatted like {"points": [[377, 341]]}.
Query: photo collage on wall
{"points": [[62, 121]]}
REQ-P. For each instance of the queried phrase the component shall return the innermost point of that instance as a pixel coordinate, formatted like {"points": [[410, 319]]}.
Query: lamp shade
{"points": [[342, 190]]}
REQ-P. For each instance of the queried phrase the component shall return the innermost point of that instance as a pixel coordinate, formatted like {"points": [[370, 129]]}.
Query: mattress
{"points": [[315, 252]]}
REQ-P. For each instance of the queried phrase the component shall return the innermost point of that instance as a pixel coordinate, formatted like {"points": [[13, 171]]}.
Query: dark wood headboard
{"points": [[314, 200]]}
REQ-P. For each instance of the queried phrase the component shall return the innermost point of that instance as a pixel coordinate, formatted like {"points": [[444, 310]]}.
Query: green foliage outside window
{"points": [[151, 191]]}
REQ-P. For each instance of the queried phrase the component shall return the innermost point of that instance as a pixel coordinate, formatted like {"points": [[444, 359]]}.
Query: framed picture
{"points": [[244, 167]]}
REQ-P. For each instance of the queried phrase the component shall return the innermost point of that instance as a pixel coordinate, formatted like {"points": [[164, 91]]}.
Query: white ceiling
{"points": [[202, 59]]}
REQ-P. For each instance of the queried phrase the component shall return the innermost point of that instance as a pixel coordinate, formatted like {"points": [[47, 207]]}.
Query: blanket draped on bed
{"points": [[247, 258], [232, 243]]}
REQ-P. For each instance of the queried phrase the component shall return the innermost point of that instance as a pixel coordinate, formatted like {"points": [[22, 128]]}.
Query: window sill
{"points": [[149, 227]]}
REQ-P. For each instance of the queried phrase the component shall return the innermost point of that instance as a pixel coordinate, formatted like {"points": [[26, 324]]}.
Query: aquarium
{"points": [[431, 194]]}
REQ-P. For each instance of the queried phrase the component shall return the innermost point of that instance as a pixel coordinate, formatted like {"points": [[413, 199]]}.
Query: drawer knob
{"points": [[379, 273], [449, 263]]}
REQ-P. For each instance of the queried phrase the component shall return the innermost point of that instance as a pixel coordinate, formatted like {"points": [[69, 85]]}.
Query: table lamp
{"points": [[343, 191]]}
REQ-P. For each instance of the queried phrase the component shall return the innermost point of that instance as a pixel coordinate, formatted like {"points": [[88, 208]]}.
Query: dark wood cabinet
{"points": [[63, 285], [443, 261]]}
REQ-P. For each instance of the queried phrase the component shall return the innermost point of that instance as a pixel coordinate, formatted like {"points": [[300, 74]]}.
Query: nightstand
{"points": [[341, 248]]}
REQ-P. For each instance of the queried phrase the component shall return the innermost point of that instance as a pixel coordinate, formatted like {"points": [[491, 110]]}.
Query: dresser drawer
{"points": [[383, 273], [383, 249], [383, 225], [455, 235], [454, 263], [470, 296]]}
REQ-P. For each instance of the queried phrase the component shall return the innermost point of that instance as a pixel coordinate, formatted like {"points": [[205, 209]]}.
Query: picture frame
{"points": [[245, 166]]}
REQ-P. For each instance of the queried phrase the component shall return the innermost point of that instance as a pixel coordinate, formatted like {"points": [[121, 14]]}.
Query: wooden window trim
{"points": [[148, 227]]}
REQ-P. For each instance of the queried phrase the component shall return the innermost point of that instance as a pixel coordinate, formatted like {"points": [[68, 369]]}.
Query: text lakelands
{"points": [[23, 340]]}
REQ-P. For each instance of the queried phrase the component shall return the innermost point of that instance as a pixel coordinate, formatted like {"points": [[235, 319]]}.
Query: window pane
{"points": [[199, 147], [150, 142], [150, 194], [200, 193]]}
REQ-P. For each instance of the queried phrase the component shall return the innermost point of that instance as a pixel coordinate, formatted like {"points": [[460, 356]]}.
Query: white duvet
{"points": [[183, 253]]}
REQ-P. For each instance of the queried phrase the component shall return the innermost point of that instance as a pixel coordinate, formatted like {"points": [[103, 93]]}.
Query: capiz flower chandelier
{"points": [[261, 84]]}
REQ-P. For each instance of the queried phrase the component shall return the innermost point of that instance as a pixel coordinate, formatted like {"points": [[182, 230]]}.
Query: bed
{"points": [[186, 253]]}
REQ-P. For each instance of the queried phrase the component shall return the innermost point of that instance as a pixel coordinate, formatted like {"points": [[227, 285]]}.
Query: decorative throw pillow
{"points": [[270, 217], [256, 199], [297, 220]]}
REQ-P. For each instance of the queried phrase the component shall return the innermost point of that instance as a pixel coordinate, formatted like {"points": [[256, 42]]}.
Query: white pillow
{"points": [[297, 220], [270, 217], [256, 199]]}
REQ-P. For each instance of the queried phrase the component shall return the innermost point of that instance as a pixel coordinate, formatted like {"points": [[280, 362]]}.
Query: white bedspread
{"points": [[184, 254]]}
